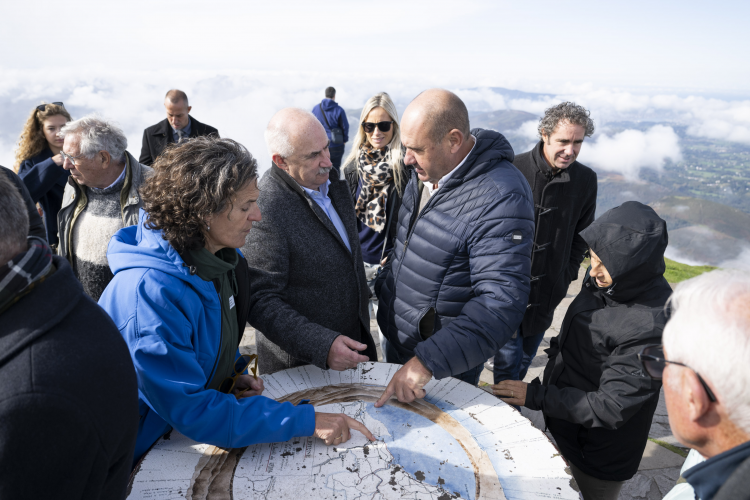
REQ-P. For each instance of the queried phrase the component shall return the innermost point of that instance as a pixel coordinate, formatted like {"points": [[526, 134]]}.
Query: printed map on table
{"points": [[458, 442]]}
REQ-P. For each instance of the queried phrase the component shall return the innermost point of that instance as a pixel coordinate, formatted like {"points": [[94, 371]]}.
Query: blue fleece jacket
{"points": [[336, 117], [171, 321]]}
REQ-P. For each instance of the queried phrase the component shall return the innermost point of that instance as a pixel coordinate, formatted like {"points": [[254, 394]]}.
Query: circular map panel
{"points": [[458, 442]]}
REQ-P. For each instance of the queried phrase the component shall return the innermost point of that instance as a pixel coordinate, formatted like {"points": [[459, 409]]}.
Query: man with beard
{"points": [[309, 296]]}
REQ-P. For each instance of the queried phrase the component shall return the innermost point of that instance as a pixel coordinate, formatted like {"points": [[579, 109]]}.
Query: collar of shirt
{"points": [[447, 176], [323, 190], [324, 202], [706, 478], [119, 178], [185, 130]]}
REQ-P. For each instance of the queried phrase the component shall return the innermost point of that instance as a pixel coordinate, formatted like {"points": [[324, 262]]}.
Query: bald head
{"points": [[288, 128], [439, 111], [298, 144], [435, 133]]}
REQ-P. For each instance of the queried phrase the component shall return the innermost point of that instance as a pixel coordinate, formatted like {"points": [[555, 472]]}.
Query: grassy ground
{"points": [[675, 272]]}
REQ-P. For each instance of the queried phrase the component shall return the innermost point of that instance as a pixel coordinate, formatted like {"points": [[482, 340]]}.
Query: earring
{"points": [[208, 228]]}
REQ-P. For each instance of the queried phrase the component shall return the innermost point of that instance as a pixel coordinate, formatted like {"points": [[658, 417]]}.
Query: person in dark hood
{"points": [[596, 399]]}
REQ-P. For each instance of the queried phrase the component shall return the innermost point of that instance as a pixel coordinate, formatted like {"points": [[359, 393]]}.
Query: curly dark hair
{"points": [[565, 112], [191, 181]]}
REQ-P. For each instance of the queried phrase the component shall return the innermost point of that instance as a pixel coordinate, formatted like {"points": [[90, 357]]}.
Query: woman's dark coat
{"points": [[306, 287], [597, 400], [392, 205], [45, 181], [36, 226], [564, 205]]}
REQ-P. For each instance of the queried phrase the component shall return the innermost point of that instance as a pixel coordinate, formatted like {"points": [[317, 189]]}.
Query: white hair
{"points": [[278, 132], [710, 331], [97, 134]]}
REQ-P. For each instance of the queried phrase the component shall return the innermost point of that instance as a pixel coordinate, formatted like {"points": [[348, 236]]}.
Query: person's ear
{"points": [[189, 108], [545, 138], [455, 140], [695, 395], [106, 158], [280, 162]]}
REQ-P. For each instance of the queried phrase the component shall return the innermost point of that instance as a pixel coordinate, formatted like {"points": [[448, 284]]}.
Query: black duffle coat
{"points": [[564, 205]]}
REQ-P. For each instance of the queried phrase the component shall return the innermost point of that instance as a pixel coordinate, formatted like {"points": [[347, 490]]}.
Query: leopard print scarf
{"points": [[376, 174]]}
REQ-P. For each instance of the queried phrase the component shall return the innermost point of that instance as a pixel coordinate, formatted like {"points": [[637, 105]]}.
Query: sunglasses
{"points": [[652, 359], [382, 126], [242, 364], [42, 107]]}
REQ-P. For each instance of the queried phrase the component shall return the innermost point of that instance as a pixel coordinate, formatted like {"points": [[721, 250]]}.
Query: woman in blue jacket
{"points": [[179, 298], [39, 162]]}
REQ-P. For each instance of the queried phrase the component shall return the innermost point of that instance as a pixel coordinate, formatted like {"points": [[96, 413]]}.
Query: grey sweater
{"points": [[306, 288]]}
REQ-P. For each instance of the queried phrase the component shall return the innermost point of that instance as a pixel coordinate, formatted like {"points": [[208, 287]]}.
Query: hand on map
{"points": [[343, 353], [407, 383], [247, 386], [512, 392], [333, 428]]}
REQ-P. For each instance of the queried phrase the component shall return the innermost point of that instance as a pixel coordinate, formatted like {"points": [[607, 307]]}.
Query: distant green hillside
{"points": [[677, 272]]}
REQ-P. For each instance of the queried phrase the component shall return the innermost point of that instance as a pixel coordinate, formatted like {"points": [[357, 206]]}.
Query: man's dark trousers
{"points": [[337, 153]]}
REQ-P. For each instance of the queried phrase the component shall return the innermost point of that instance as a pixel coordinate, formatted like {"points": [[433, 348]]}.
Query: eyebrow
{"points": [[316, 153], [568, 140], [413, 148]]}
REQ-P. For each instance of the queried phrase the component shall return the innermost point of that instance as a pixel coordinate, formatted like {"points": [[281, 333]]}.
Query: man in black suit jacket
{"points": [[178, 126]]}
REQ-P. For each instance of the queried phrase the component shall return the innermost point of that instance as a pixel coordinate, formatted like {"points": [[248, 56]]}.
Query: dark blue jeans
{"points": [[336, 155], [390, 355], [512, 361]]}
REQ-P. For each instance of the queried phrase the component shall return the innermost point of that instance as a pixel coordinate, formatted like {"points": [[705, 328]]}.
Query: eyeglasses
{"points": [[242, 364], [382, 126], [42, 107], [71, 159], [652, 358]]}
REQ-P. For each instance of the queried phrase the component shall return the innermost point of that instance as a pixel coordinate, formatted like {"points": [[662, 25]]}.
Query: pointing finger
{"points": [[358, 426], [386, 395]]}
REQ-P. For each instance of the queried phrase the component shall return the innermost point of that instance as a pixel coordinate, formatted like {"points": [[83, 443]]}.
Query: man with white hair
{"points": [[704, 366], [101, 197], [309, 295]]}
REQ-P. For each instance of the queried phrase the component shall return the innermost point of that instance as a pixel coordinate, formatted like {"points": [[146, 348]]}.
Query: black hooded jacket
{"points": [[596, 398]]}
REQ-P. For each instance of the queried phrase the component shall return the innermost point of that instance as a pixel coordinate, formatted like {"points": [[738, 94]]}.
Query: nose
{"points": [[255, 215], [409, 158], [326, 159], [67, 165]]}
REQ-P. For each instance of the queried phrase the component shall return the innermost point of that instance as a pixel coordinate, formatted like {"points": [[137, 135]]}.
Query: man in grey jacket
{"points": [[100, 199], [309, 295]]}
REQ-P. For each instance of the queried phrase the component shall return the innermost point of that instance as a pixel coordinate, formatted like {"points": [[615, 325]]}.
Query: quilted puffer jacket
{"points": [[457, 283]]}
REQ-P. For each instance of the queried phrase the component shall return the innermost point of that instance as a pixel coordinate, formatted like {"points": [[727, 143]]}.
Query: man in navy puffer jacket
{"points": [[457, 282]]}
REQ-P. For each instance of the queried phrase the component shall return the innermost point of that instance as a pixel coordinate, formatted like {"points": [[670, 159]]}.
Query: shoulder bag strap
{"points": [[324, 116]]}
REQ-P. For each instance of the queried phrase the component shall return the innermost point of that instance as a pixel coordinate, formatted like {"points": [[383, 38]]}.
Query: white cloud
{"points": [[629, 151], [742, 261]]}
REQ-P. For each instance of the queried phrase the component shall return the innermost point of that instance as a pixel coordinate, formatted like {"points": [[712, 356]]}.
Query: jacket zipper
{"points": [[218, 352]]}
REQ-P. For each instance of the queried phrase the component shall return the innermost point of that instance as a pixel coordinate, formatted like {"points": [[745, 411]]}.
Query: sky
{"points": [[241, 61]]}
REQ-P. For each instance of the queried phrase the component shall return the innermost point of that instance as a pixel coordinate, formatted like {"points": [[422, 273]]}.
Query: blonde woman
{"points": [[375, 172], [39, 162]]}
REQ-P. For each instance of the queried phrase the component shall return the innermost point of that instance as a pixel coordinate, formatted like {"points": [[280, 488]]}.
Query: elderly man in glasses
{"points": [[101, 197], [704, 366], [596, 397]]}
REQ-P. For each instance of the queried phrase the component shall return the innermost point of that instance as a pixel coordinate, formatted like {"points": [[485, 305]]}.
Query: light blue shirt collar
{"points": [[324, 202]]}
